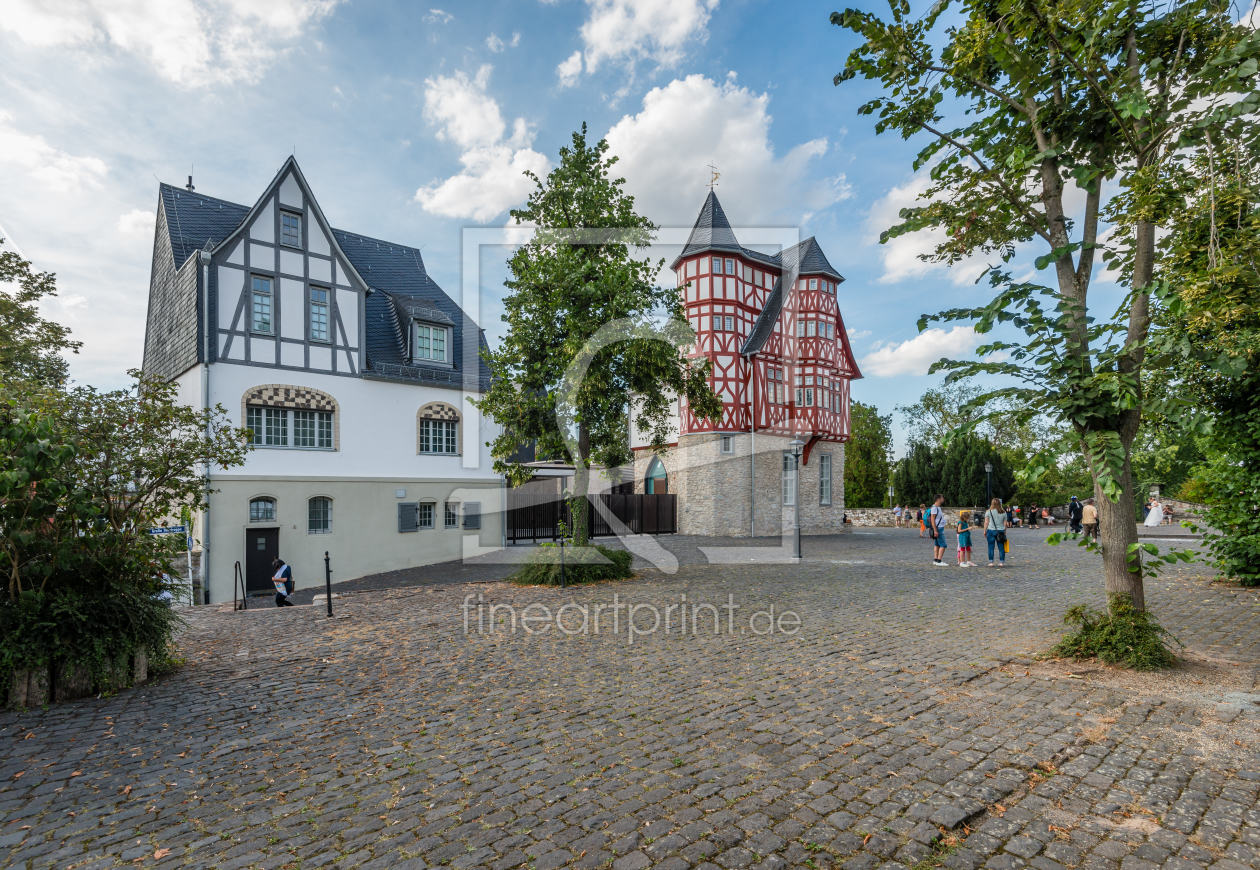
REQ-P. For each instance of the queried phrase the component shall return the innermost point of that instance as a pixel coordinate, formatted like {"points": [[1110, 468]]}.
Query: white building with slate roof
{"points": [[352, 368]]}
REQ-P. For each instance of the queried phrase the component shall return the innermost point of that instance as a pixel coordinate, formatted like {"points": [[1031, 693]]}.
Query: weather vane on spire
{"points": [[715, 176]]}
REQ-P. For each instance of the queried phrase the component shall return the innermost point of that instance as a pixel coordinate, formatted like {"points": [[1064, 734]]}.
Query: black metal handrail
{"points": [[238, 584]]}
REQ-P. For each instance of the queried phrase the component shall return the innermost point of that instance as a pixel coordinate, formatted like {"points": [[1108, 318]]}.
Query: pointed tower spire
{"points": [[712, 231]]}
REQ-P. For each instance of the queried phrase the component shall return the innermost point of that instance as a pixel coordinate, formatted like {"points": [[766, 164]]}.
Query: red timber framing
{"points": [[796, 382]]}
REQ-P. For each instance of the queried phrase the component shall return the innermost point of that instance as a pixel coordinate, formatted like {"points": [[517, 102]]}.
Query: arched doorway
{"points": [[657, 481]]}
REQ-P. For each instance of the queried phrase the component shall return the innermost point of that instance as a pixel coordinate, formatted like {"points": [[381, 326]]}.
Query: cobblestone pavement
{"points": [[901, 726]]}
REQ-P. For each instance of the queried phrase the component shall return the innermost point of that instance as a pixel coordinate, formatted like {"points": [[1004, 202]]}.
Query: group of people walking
{"points": [[998, 519]]}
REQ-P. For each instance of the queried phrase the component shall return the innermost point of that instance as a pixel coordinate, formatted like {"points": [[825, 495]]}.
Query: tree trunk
{"points": [[579, 508], [1117, 530]]}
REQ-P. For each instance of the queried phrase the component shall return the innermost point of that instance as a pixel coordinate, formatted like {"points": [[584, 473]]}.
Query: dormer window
{"points": [[290, 229], [431, 343]]}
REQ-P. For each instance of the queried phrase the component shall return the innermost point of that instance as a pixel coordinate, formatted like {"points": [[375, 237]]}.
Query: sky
{"points": [[412, 122]]}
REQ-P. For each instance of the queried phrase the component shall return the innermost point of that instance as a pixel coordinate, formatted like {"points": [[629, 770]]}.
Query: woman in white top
{"points": [[995, 523], [1155, 515]]}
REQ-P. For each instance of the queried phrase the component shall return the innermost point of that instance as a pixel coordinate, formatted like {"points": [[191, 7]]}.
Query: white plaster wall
{"points": [[263, 229], [230, 284], [377, 428], [291, 192], [293, 318]]}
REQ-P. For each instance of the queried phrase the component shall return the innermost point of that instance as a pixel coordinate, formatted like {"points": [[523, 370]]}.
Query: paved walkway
{"points": [[903, 724]]}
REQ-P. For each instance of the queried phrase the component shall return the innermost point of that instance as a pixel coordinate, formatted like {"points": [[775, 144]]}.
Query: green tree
{"points": [[1212, 328], [83, 476], [30, 347], [555, 381], [1022, 100], [867, 457]]}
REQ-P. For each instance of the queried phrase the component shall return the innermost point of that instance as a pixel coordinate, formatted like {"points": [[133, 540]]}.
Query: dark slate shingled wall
{"points": [[186, 223], [172, 336]]}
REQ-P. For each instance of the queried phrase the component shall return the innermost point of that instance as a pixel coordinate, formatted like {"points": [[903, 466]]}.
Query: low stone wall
{"points": [[35, 688], [884, 516]]}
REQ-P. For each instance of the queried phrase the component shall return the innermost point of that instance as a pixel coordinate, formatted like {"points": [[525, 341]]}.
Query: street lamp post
{"points": [[988, 484], [890, 496], [797, 446]]}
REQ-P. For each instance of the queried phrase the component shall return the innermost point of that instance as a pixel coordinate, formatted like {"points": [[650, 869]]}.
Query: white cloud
{"points": [[190, 42], [494, 162], [41, 162], [916, 355], [901, 254], [627, 31], [854, 334], [137, 222], [664, 151], [439, 16], [570, 70], [495, 44]]}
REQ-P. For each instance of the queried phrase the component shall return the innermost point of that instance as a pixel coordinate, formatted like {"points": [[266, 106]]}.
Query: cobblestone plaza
{"points": [[903, 724]]}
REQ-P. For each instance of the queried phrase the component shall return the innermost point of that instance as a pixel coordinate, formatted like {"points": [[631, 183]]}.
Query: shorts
{"points": [[940, 539]]}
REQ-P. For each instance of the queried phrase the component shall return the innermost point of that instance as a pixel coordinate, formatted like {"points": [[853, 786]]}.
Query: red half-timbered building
{"points": [[772, 327]]}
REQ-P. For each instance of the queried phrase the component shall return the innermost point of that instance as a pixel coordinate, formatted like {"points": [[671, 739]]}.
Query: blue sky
{"points": [[412, 123]]}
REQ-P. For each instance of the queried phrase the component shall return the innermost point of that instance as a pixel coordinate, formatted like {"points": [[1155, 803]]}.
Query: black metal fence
{"points": [[533, 519]]}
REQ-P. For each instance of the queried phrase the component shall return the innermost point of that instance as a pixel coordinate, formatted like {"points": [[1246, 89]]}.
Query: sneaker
{"points": [[940, 565]]}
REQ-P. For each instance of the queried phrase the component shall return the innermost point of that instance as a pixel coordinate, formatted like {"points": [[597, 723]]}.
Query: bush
{"points": [[542, 567], [1122, 636], [98, 630]]}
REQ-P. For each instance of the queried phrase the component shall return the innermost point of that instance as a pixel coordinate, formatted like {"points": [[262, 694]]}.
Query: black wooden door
{"points": [[262, 546]]}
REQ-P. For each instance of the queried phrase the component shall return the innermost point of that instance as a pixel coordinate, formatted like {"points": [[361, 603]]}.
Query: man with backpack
{"points": [[283, 581]]}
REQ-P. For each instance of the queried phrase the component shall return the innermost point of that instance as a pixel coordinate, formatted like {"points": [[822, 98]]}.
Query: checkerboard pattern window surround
{"points": [[290, 229], [282, 427], [438, 436]]}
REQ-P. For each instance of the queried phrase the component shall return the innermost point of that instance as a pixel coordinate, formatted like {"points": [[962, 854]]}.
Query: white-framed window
{"points": [[810, 329], [717, 265], [451, 514], [813, 283], [260, 306], [789, 479], [717, 323], [800, 328], [824, 478], [730, 267], [282, 427], [319, 314], [730, 323], [262, 510], [728, 444], [438, 436], [319, 516], [424, 515], [290, 229], [431, 343]]}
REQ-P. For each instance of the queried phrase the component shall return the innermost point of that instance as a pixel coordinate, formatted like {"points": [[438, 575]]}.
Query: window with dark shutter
{"points": [[472, 515], [408, 517]]}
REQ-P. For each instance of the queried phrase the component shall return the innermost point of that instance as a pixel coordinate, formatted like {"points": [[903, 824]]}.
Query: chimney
{"points": [[190, 184]]}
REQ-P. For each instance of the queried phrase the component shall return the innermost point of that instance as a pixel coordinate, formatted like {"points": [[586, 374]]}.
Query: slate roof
{"points": [[194, 220], [395, 275], [398, 271], [712, 232]]}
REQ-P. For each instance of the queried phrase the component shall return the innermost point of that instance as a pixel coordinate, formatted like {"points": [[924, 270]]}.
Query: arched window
{"points": [[657, 481], [319, 516], [262, 510], [437, 429], [280, 415]]}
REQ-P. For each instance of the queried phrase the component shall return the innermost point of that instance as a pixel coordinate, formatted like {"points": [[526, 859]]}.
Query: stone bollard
{"points": [[28, 688], [140, 674]]}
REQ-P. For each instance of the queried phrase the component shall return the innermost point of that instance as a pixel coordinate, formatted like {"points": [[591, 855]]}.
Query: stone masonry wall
{"points": [[713, 487]]}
